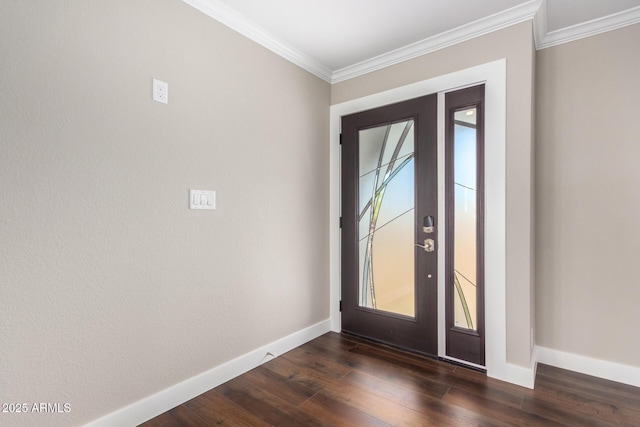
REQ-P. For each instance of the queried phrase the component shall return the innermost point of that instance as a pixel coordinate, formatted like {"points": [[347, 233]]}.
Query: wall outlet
{"points": [[160, 91]]}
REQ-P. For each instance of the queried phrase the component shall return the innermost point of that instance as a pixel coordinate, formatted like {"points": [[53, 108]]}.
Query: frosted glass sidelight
{"points": [[386, 218], [465, 219]]}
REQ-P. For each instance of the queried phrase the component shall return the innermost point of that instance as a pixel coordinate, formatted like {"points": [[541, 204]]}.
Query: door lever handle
{"points": [[429, 245]]}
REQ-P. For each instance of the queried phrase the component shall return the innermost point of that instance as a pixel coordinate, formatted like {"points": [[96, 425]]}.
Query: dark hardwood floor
{"points": [[339, 380]]}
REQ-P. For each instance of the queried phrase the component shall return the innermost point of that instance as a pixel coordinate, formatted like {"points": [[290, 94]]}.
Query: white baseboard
{"points": [[518, 375], [586, 365], [514, 374], [177, 394]]}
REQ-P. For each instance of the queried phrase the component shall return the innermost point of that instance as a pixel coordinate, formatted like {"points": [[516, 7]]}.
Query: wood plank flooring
{"points": [[339, 380]]}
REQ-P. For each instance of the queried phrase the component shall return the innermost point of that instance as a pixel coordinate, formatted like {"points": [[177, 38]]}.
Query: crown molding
{"points": [[535, 10], [234, 20], [540, 24], [498, 21], [546, 39]]}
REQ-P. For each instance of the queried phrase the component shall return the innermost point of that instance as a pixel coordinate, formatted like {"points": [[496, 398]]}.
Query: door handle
{"points": [[429, 245]]}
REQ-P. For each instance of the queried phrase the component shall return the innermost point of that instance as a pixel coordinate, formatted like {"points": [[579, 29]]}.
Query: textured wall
{"points": [[587, 203], [111, 288], [514, 43]]}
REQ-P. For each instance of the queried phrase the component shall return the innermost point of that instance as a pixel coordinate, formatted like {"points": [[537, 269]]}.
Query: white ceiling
{"points": [[340, 39], [565, 13], [339, 33]]}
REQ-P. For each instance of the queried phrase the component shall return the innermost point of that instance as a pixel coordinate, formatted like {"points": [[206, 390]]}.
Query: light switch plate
{"points": [[202, 199]]}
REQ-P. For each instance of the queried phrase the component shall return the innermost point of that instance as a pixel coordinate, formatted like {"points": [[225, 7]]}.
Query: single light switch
{"points": [[202, 199]]}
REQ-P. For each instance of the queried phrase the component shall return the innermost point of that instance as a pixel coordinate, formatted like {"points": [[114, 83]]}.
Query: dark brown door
{"points": [[389, 218], [464, 189]]}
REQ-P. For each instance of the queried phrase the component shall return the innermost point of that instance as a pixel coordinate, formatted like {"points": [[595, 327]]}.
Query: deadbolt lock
{"points": [[428, 225]]}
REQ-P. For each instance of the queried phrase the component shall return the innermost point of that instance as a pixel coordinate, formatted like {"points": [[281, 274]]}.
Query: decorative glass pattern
{"points": [[465, 219], [386, 219]]}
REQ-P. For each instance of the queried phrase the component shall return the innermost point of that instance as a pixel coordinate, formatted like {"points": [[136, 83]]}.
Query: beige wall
{"points": [[516, 45], [587, 205], [112, 289]]}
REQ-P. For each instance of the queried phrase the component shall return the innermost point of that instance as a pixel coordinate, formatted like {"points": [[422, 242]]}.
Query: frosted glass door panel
{"points": [[386, 220]]}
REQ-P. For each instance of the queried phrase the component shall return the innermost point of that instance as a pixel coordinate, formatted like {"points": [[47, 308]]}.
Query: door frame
{"points": [[493, 75]]}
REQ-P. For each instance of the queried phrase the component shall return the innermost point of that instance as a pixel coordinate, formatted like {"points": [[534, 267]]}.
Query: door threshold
{"points": [[463, 363], [448, 359], [390, 345]]}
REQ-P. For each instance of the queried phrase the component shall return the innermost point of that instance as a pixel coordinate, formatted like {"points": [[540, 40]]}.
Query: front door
{"points": [[389, 224]]}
